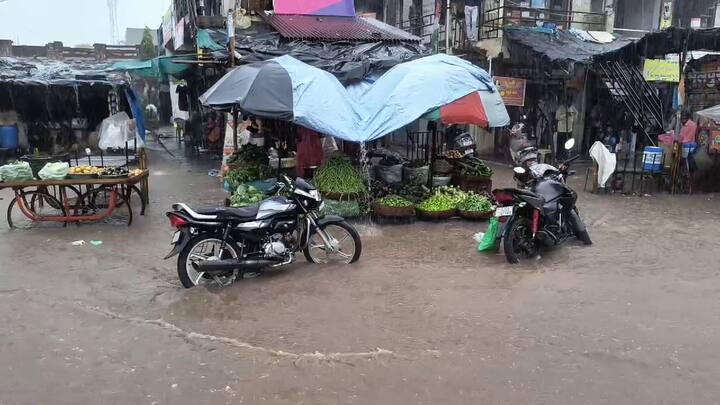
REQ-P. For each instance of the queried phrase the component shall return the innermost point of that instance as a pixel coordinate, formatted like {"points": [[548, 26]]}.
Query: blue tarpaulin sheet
{"points": [[397, 98]]}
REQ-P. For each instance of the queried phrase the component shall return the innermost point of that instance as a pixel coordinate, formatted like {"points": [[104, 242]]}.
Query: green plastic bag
{"points": [[489, 242]]}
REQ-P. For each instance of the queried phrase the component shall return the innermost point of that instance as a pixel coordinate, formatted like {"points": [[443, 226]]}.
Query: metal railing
{"points": [[493, 20]]}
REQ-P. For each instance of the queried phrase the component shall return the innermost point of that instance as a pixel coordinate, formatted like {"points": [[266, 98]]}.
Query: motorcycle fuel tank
{"points": [[551, 190], [274, 206]]}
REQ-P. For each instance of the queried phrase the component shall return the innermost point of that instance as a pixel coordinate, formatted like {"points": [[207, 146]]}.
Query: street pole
{"points": [[231, 35], [448, 30], [235, 128]]}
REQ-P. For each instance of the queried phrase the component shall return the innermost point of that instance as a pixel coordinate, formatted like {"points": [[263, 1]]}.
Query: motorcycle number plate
{"points": [[504, 211], [176, 237]]}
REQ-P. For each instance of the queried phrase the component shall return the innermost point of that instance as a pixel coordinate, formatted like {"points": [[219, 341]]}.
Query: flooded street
{"points": [[423, 318]]}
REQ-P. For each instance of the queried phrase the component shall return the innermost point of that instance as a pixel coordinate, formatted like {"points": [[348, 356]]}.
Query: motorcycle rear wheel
{"points": [[518, 242]]}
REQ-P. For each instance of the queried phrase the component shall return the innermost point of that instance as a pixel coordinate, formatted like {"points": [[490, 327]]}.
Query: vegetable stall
{"points": [[441, 88]]}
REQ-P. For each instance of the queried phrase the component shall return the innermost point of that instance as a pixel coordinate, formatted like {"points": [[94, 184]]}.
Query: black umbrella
{"points": [[263, 89]]}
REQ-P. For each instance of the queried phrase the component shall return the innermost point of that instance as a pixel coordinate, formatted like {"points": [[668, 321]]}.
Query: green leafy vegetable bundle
{"points": [[246, 195], [476, 203], [246, 174], [337, 175]]}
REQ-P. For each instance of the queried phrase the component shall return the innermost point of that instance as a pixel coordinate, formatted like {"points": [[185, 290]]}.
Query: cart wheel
{"points": [[97, 202], [39, 200], [46, 206], [134, 189]]}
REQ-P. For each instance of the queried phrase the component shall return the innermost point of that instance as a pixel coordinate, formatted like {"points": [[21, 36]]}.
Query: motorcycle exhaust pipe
{"points": [[221, 266]]}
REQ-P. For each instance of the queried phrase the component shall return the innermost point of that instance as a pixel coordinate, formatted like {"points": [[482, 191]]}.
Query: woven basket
{"points": [[474, 215], [435, 215], [393, 212]]}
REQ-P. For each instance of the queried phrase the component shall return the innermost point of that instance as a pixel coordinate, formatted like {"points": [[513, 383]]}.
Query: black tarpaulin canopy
{"points": [[559, 46], [673, 40], [348, 61]]}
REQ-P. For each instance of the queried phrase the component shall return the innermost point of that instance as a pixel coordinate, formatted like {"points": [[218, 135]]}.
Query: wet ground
{"points": [[422, 319]]}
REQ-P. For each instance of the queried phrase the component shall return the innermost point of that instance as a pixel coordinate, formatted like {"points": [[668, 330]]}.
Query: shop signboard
{"points": [[180, 34], [341, 8], [168, 26], [666, 15], [511, 90], [660, 70]]}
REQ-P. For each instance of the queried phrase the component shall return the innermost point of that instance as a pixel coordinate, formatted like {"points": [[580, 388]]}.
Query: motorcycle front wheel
{"points": [[201, 249], [518, 242], [345, 244]]}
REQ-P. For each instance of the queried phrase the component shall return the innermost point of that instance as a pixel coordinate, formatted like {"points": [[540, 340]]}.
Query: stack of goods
{"points": [[115, 172], [14, 172], [472, 174], [54, 171], [416, 172], [79, 172], [342, 185]]}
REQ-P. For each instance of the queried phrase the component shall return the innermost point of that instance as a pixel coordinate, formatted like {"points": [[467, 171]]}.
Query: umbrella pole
{"points": [[432, 157], [235, 128]]}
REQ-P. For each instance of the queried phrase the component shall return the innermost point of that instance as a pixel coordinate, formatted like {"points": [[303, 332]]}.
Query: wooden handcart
{"points": [[76, 200]]}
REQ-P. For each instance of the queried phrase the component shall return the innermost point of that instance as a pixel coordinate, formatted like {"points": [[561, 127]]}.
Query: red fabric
{"points": [[688, 132], [467, 110], [309, 150]]}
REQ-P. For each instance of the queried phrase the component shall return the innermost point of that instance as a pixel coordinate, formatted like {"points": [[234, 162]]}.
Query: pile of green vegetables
{"points": [[454, 194], [475, 203], [438, 203], [246, 195], [394, 201], [337, 175], [246, 174], [345, 209], [249, 154], [474, 167]]}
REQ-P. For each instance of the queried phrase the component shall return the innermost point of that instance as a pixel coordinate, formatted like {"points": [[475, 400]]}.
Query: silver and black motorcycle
{"points": [[220, 245]]}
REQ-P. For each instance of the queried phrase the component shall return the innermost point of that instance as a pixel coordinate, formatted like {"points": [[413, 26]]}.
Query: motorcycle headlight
{"points": [[316, 195]]}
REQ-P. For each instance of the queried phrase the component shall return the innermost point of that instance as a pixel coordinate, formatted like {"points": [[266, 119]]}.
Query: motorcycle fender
{"points": [[179, 245], [505, 228], [329, 219]]}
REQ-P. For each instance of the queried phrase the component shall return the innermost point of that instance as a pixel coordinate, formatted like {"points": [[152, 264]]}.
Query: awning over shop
{"points": [[287, 89], [159, 67], [561, 46], [671, 41]]}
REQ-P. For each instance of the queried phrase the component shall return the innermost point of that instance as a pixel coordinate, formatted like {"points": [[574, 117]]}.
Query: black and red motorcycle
{"points": [[541, 212]]}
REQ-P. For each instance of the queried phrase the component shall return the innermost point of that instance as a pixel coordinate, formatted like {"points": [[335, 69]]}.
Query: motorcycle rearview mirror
{"points": [[519, 170], [570, 144]]}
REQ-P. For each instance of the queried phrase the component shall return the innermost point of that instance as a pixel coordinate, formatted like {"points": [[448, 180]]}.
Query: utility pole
{"points": [[112, 7], [448, 29]]}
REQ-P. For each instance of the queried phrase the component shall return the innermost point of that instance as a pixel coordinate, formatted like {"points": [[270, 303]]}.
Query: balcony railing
{"points": [[493, 20]]}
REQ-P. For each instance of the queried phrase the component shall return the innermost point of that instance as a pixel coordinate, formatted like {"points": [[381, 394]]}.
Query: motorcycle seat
{"points": [[209, 213]]}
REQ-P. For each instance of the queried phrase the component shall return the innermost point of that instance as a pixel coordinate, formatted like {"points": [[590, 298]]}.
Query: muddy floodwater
{"points": [[423, 318]]}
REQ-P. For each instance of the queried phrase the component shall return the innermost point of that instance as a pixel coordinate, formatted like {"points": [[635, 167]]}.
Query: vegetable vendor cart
{"points": [[75, 200]]}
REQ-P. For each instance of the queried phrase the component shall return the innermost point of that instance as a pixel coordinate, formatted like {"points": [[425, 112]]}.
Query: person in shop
{"points": [[565, 116]]}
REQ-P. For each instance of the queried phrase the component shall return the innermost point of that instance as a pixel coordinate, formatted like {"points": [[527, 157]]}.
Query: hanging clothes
{"points": [[309, 150]]}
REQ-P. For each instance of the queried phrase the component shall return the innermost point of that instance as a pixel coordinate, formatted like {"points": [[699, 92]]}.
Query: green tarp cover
{"points": [[159, 67], [205, 41]]}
